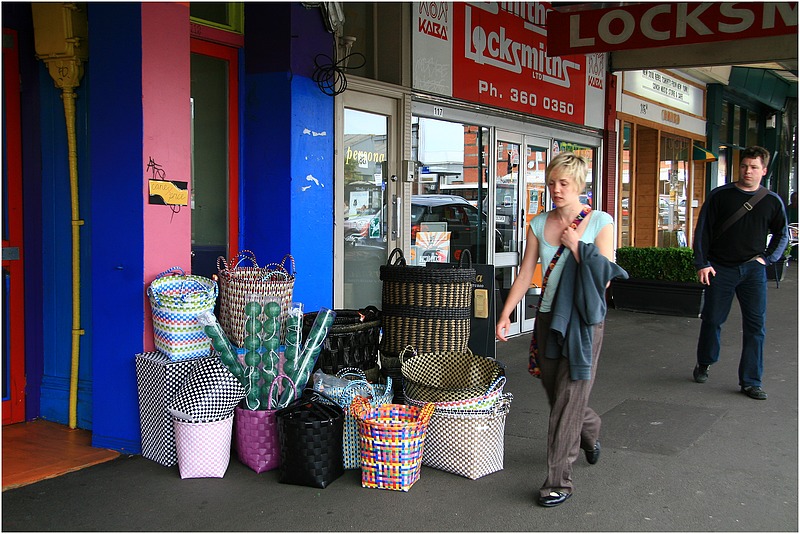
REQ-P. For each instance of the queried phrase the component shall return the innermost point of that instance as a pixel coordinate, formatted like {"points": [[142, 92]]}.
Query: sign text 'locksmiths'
{"points": [[650, 25]]}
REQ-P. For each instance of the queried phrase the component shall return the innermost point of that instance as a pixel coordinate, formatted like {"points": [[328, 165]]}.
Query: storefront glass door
{"points": [[519, 194], [673, 190], [370, 204]]}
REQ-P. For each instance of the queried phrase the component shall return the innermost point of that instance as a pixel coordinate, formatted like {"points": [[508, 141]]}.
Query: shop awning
{"points": [[701, 154]]}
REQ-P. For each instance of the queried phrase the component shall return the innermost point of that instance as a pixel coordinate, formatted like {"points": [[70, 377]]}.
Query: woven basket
{"points": [[392, 439], [237, 282], [203, 449], [426, 307], [176, 301], [448, 375], [352, 341], [481, 402], [378, 395], [469, 443], [310, 435]]}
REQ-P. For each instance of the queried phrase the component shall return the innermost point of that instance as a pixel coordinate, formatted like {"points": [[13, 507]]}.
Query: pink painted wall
{"points": [[166, 90]]}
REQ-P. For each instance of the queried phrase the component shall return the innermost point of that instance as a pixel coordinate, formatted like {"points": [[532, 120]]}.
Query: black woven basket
{"points": [[310, 434], [352, 340], [428, 308]]}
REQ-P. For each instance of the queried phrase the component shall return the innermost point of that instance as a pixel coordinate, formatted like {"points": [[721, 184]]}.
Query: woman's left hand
{"points": [[570, 239]]}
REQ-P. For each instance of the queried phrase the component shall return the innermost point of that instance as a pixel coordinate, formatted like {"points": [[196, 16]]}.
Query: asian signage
{"points": [[649, 25], [495, 53]]}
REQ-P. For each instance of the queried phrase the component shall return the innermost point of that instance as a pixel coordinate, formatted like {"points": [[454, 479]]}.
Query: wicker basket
{"points": [[426, 307], [352, 340]]}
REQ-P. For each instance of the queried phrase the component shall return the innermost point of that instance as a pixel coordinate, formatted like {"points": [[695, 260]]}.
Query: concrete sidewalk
{"points": [[677, 456]]}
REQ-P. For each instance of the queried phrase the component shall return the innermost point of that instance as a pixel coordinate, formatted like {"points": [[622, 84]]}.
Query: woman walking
{"points": [[577, 245]]}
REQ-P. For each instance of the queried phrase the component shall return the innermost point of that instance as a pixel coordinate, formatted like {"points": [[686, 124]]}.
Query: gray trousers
{"points": [[573, 425]]}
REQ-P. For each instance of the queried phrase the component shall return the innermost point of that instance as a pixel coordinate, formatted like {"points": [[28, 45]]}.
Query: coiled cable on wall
{"points": [[330, 75]]}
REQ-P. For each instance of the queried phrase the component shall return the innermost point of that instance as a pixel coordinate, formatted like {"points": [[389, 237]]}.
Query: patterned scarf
{"points": [[533, 359]]}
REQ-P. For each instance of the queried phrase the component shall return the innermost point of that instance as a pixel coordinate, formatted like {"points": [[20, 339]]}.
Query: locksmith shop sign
{"points": [[650, 25], [495, 53]]}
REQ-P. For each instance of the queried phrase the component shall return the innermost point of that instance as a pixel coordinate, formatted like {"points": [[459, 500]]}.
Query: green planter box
{"points": [[662, 280]]}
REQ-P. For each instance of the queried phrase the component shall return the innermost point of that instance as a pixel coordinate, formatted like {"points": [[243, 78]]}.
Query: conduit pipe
{"points": [[60, 35]]}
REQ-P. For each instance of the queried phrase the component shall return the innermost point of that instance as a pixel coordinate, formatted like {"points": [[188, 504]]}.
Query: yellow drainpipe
{"points": [[60, 35]]}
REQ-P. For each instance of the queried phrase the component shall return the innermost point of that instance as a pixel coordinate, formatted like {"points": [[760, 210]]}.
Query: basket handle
{"points": [[293, 272], [468, 255], [399, 261], [359, 407], [349, 392], [426, 413], [403, 353], [274, 383], [171, 270], [351, 371]]}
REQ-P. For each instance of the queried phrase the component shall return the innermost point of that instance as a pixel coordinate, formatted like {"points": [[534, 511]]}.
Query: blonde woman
{"points": [[568, 332]]}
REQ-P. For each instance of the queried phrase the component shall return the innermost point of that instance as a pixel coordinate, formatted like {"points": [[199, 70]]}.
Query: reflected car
{"points": [[451, 213]]}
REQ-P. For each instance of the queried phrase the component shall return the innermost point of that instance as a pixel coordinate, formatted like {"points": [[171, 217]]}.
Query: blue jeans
{"points": [[749, 283]]}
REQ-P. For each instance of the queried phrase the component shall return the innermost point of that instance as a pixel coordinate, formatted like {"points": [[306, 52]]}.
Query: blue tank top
{"points": [[594, 224]]}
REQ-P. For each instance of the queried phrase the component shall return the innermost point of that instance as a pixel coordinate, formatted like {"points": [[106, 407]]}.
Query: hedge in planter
{"points": [[662, 281]]}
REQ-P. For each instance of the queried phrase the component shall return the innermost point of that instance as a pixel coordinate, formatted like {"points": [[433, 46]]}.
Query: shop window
{"points": [[228, 16], [752, 129], [626, 167], [673, 190], [588, 154]]}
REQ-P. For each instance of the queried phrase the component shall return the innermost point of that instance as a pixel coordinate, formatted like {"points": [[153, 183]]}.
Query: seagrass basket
{"points": [[428, 308]]}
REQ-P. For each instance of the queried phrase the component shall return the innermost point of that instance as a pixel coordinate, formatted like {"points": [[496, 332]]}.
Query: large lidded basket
{"points": [[428, 308]]}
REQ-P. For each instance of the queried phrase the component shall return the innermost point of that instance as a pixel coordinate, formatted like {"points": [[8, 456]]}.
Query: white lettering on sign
{"points": [[492, 46], [654, 24]]}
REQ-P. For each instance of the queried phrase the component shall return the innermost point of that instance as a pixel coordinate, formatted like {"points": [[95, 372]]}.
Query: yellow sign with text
{"points": [[168, 192]]}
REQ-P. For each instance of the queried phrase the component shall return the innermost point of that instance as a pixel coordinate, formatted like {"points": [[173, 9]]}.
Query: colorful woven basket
{"points": [[392, 439], [176, 300], [429, 308]]}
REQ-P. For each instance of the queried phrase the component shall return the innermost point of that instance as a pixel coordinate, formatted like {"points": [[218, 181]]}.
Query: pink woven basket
{"points": [[257, 440], [204, 449]]}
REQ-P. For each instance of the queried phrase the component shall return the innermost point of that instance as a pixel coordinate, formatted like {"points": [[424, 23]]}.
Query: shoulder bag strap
{"points": [[747, 206]]}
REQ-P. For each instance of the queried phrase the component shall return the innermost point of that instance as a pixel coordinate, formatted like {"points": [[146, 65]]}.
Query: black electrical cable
{"points": [[330, 76]]}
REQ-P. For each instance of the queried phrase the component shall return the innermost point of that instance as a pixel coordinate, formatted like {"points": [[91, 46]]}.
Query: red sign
{"points": [[650, 25], [500, 58]]}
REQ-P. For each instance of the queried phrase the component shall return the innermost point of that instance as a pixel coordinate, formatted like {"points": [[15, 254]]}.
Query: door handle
{"points": [[10, 253]]}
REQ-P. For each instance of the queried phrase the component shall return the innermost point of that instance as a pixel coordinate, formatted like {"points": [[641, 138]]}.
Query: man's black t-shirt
{"points": [[747, 237]]}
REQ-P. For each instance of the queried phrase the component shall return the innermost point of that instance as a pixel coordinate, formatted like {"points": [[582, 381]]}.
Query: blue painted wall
{"points": [[117, 233], [287, 186]]}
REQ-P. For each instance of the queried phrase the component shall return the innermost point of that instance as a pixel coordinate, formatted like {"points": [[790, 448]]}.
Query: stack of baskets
{"points": [[427, 308], [466, 431]]}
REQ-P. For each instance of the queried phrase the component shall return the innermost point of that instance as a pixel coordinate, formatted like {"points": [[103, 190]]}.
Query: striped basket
{"points": [[392, 439], [176, 300], [238, 282], [426, 307]]}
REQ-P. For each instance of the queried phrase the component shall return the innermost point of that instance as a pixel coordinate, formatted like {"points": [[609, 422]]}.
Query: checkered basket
{"points": [[429, 308], [237, 282], [392, 439], [482, 402], [469, 443], [448, 375], [176, 300]]}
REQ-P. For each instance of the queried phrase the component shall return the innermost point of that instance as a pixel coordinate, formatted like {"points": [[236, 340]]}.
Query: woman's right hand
{"points": [[503, 324]]}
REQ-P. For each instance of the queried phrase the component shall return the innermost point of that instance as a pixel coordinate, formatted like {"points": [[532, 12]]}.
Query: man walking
{"points": [[730, 258]]}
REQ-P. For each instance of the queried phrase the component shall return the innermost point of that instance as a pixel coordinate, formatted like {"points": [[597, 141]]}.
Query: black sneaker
{"points": [[700, 373], [755, 392]]}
